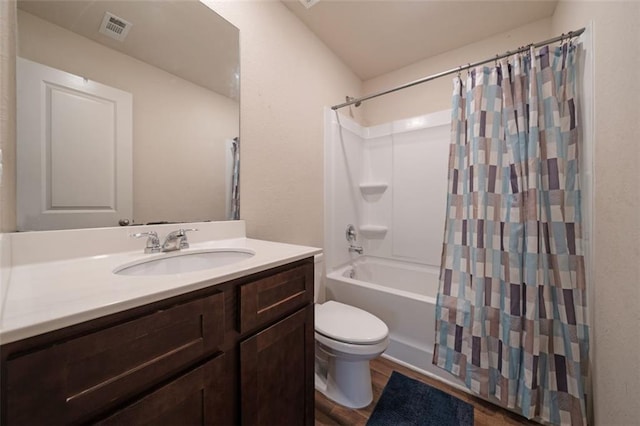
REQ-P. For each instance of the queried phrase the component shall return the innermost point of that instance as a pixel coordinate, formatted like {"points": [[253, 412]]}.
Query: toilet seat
{"points": [[350, 350], [348, 324]]}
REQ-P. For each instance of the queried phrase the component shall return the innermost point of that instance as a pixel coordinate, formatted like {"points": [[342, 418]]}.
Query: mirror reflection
{"points": [[179, 62]]}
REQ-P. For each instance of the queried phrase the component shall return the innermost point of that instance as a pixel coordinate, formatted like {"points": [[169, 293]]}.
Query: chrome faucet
{"points": [[176, 240], [350, 235], [356, 249], [153, 243]]}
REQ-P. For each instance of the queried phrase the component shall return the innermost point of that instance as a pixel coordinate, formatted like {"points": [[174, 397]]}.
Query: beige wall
{"points": [[616, 301], [287, 77], [436, 94], [7, 115]]}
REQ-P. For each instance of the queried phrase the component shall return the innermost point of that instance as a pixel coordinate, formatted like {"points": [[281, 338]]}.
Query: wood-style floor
{"points": [[485, 414]]}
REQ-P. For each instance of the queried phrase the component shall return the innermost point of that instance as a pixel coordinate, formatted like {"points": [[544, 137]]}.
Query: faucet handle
{"points": [[350, 233], [184, 243], [153, 243]]}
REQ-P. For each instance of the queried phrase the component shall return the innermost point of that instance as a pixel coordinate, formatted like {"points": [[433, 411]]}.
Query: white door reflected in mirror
{"points": [[74, 150]]}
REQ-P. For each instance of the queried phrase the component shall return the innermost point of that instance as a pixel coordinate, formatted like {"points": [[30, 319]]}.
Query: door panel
{"points": [[74, 150], [82, 144]]}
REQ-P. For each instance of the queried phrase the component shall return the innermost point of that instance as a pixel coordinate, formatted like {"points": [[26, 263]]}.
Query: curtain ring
{"points": [[495, 61], [459, 70], [468, 69]]}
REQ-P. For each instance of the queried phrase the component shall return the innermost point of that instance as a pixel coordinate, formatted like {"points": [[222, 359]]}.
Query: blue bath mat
{"points": [[408, 402]]}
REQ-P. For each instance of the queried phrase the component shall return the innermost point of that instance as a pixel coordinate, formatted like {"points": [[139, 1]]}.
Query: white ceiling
{"points": [[374, 37], [183, 37]]}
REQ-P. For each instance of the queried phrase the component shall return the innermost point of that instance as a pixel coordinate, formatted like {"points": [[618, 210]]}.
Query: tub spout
{"points": [[356, 249]]}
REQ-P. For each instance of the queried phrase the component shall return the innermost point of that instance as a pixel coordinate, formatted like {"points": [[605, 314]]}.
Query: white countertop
{"points": [[49, 295]]}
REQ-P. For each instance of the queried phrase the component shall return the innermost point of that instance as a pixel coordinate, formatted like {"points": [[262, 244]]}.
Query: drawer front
{"points": [[82, 376], [270, 298], [192, 399]]}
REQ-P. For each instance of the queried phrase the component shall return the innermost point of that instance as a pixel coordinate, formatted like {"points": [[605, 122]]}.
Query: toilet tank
{"points": [[318, 279]]}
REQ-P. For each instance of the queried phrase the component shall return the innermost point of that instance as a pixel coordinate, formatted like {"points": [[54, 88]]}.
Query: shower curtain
{"points": [[234, 209], [511, 317]]}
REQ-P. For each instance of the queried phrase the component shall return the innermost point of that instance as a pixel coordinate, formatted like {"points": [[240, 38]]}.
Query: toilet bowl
{"points": [[346, 339]]}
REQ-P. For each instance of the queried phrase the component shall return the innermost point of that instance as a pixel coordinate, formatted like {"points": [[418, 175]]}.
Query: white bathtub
{"points": [[403, 295]]}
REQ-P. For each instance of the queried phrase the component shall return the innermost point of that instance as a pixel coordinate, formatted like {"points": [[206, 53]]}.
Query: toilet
{"points": [[346, 339]]}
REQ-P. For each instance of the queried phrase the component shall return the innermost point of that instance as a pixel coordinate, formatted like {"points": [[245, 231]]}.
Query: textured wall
{"points": [[7, 114], [616, 295], [436, 94], [287, 77]]}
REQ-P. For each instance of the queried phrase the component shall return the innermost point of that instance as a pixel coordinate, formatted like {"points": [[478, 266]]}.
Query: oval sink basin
{"points": [[183, 262]]}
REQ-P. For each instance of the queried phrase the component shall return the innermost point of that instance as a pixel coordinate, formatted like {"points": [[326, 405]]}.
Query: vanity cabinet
{"points": [[276, 363], [239, 352]]}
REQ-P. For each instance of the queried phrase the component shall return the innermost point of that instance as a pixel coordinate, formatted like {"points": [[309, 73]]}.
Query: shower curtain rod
{"points": [[351, 101]]}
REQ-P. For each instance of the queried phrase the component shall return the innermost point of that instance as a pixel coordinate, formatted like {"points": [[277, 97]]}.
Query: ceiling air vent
{"points": [[115, 27], [308, 3]]}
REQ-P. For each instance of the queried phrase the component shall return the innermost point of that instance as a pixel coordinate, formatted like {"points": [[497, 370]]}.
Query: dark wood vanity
{"points": [[241, 352]]}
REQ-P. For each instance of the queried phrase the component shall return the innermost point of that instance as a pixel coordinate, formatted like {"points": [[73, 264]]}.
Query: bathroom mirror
{"points": [[179, 62]]}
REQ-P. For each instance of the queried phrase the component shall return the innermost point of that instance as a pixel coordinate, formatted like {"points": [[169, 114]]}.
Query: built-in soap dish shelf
{"points": [[373, 231], [369, 188]]}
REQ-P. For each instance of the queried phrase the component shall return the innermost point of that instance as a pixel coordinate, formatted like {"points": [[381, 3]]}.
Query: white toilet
{"points": [[346, 339]]}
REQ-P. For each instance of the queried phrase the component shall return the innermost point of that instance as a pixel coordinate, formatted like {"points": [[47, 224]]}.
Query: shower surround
{"points": [[390, 182]]}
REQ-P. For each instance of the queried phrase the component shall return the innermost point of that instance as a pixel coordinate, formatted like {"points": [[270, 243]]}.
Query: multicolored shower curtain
{"points": [[234, 210], [511, 318]]}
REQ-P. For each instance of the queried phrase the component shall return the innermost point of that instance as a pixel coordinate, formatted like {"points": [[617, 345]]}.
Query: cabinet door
{"points": [[195, 398], [276, 369]]}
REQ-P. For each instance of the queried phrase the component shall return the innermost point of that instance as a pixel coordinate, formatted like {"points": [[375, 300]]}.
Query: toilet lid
{"points": [[349, 324]]}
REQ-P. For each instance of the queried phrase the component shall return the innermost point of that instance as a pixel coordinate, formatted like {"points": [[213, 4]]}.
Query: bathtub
{"points": [[403, 295]]}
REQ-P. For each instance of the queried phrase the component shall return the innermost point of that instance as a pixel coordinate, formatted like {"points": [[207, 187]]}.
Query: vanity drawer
{"points": [[270, 298], [195, 398], [77, 378]]}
